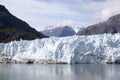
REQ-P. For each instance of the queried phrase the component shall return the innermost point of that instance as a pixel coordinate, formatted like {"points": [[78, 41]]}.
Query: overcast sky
{"points": [[42, 13]]}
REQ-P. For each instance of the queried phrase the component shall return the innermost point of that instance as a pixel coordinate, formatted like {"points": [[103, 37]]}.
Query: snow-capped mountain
{"points": [[77, 28], [59, 31], [103, 48]]}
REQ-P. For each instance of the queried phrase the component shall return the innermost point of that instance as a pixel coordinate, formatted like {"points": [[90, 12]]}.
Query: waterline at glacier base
{"points": [[93, 49]]}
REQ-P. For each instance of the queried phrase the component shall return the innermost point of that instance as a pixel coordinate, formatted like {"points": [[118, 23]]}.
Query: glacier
{"points": [[95, 49]]}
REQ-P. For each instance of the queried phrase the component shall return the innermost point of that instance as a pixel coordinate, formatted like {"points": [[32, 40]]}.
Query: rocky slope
{"points": [[12, 28], [112, 25]]}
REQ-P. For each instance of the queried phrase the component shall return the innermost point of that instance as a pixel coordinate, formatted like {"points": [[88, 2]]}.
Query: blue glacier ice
{"points": [[104, 48]]}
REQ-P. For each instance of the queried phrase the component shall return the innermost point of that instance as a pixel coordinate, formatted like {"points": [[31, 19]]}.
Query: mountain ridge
{"points": [[61, 31], [112, 25]]}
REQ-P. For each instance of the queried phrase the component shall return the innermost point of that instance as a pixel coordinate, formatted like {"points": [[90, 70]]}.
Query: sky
{"points": [[40, 14]]}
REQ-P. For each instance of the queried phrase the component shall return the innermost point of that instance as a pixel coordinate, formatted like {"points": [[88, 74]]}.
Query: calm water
{"points": [[59, 72]]}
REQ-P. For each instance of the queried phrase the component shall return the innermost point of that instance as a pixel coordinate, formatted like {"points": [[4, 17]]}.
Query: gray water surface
{"points": [[59, 72]]}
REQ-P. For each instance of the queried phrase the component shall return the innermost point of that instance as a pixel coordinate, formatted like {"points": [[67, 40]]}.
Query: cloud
{"points": [[42, 13], [105, 9], [39, 12], [66, 23]]}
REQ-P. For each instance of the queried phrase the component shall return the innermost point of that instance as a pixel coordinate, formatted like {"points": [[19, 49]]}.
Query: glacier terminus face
{"points": [[95, 49]]}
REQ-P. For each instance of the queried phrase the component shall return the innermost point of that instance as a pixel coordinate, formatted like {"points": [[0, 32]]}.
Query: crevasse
{"points": [[103, 48]]}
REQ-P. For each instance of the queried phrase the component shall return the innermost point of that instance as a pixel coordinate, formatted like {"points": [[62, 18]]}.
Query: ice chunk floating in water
{"points": [[75, 49]]}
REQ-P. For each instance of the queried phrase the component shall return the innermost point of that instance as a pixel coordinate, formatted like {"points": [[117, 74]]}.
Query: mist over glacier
{"points": [[104, 48]]}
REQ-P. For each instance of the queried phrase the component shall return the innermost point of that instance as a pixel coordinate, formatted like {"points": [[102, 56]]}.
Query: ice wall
{"points": [[75, 49]]}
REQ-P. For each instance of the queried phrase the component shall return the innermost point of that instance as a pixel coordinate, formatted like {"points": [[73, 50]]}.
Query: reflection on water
{"points": [[59, 72]]}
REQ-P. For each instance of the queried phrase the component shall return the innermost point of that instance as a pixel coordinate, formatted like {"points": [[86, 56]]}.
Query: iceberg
{"points": [[95, 49]]}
